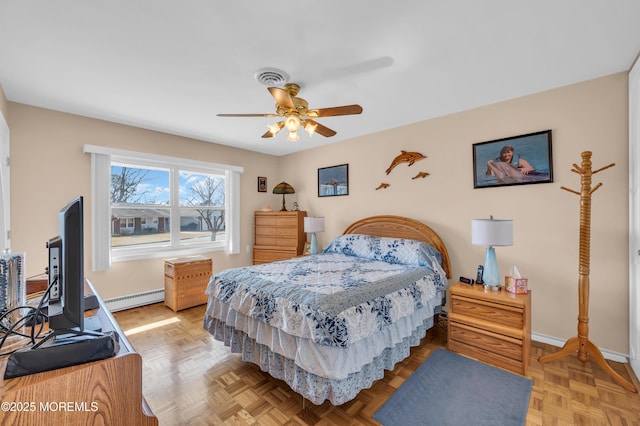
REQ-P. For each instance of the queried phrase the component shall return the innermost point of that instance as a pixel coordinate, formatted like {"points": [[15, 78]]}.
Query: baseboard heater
{"points": [[134, 300]]}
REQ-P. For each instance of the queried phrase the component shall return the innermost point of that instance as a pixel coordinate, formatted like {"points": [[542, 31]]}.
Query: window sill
{"points": [[186, 251]]}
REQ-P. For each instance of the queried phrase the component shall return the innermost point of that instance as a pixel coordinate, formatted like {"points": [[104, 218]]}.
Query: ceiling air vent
{"points": [[271, 77]]}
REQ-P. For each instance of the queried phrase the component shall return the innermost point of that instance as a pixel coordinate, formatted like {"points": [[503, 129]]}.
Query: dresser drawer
{"points": [[262, 240], [266, 256], [287, 221], [268, 231], [287, 242], [265, 221], [286, 233]]}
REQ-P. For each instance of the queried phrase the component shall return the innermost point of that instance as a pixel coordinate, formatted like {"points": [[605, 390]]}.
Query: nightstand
{"points": [[491, 326]]}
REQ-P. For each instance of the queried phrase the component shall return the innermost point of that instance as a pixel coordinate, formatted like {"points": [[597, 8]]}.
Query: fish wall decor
{"points": [[420, 175], [405, 157]]}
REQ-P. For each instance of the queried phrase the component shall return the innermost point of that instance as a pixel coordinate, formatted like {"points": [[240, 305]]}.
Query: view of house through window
{"points": [[165, 207]]}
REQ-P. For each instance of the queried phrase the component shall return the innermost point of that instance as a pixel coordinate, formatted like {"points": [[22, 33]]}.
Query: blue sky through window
{"points": [[156, 187]]}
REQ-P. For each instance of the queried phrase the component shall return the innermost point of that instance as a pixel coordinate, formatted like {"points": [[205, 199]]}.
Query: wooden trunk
{"points": [[185, 281]]}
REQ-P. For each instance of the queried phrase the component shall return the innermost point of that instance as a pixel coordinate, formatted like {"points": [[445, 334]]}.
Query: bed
{"points": [[330, 324]]}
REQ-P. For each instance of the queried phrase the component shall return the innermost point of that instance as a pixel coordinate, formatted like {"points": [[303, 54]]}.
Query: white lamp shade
{"points": [[313, 224], [492, 232]]}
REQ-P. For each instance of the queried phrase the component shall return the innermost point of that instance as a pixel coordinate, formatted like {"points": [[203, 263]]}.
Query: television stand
{"points": [[114, 384]]}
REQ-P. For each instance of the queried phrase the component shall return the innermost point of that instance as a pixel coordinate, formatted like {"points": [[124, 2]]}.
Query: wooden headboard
{"points": [[401, 227]]}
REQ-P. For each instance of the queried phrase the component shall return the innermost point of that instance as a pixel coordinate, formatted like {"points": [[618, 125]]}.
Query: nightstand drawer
{"points": [[481, 354], [490, 342], [505, 315]]}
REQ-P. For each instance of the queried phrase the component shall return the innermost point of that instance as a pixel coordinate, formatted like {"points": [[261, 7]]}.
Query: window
{"points": [[154, 206]]}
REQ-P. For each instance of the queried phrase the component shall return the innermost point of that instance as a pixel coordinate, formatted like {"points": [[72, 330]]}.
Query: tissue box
{"points": [[516, 285]]}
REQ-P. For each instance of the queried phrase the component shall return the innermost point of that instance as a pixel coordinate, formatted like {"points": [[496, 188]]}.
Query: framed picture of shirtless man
{"points": [[517, 160]]}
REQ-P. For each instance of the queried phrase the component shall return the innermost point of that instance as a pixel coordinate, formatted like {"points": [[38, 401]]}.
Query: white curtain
{"points": [[100, 211]]}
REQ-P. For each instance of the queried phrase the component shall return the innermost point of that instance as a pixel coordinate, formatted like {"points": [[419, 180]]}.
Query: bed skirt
{"points": [[315, 388]]}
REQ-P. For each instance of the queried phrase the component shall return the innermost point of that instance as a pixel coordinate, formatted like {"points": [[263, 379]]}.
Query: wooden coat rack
{"points": [[581, 342]]}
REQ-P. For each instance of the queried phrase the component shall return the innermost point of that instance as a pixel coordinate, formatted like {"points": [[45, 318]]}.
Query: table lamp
{"points": [[283, 188], [491, 232], [313, 225]]}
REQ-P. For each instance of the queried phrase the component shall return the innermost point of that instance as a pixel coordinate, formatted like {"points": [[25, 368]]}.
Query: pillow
{"points": [[390, 250], [350, 244]]}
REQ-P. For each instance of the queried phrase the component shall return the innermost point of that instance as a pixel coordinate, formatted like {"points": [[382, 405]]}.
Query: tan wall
{"points": [[49, 169], [587, 116]]}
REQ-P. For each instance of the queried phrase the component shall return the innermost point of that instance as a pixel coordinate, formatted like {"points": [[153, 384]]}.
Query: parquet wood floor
{"points": [[190, 378]]}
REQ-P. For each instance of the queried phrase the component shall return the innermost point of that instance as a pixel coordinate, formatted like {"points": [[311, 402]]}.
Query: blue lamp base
{"points": [[314, 244], [491, 275]]}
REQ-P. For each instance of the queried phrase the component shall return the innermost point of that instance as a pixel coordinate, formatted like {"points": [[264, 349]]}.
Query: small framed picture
{"points": [[333, 181], [517, 160], [307, 248], [262, 184]]}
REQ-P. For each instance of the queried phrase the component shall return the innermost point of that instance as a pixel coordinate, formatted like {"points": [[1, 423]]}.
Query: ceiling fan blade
{"points": [[274, 129], [282, 97], [247, 115], [323, 130], [332, 112]]}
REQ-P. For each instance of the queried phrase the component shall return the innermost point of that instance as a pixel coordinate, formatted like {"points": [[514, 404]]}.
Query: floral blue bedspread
{"points": [[332, 298]]}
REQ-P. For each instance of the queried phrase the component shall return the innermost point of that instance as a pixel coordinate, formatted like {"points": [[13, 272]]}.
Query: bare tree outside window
{"points": [[206, 194], [140, 208], [126, 185], [143, 206]]}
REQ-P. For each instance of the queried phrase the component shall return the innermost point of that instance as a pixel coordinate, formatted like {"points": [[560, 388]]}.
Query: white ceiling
{"points": [[173, 65]]}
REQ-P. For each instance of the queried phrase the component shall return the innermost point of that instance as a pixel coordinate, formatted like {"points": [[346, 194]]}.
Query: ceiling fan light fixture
{"points": [[310, 128], [292, 122], [274, 128], [293, 136]]}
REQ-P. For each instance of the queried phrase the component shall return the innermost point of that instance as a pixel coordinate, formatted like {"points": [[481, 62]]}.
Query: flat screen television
{"points": [[74, 338], [66, 269]]}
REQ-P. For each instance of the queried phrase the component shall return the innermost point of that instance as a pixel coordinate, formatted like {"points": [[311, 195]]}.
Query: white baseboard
{"points": [[610, 355], [134, 300]]}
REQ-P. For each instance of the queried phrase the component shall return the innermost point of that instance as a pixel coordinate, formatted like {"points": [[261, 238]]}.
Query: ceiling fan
{"points": [[296, 113]]}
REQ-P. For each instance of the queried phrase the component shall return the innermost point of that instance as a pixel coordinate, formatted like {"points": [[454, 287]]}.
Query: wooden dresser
{"points": [[278, 235], [491, 326], [106, 392]]}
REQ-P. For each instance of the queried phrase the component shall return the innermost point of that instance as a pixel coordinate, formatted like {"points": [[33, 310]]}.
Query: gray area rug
{"points": [[449, 389]]}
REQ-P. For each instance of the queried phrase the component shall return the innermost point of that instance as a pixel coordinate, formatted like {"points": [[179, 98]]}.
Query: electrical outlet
{"points": [[248, 248]]}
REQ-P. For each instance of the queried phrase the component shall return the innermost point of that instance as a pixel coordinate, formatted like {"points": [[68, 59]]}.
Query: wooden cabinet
{"points": [[185, 281], [278, 235], [491, 326], [106, 392]]}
